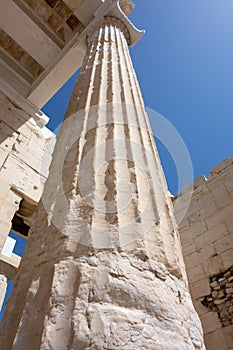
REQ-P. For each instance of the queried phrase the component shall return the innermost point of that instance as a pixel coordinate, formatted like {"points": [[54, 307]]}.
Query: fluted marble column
{"points": [[103, 268]]}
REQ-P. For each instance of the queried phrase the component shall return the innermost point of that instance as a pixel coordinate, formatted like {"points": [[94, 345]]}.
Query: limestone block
{"points": [[229, 223], [184, 230], [204, 200], [224, 243], [192, 260], [34, 155], [199, 185], [188, 234], [194, 218], [193, 208], [210, 322], [224, 201], [216, 340], [220, 216], [3, 156], [4, 190], [210, 235], [23, 178], [209, 210], [200, 189], [4, 229], [227, 258], [219, 191], [198, 227], [222, 176], [14, 117], [199, 181], [213, 265], [9, 206], [206, 252], [200, 288], [13, 260], [221, 166], [195, 273], [7, 137], [228, 334], [41, 119], [229, 184], [188, 248], [184, 223]]}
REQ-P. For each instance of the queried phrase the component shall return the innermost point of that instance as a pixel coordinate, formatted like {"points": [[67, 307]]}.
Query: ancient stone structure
{"points": [[103, 268], [25, 154], [207, 242]]}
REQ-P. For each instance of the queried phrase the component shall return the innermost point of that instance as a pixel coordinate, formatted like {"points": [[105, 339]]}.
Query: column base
{"points": [[109, 301]]}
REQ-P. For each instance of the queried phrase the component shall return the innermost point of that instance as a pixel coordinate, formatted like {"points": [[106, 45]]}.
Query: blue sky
{"points": [[184, 67]]}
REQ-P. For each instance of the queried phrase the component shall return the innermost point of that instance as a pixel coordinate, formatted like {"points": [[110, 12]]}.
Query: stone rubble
{"points": [[221, 298]]}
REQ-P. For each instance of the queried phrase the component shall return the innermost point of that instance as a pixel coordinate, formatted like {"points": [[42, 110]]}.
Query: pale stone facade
{"points": [[25, 154], [207, 242], [104, 268]]}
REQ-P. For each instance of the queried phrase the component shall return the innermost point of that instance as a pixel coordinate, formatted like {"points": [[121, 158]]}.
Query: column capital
{"points": [[93, 12], [109, 20]]}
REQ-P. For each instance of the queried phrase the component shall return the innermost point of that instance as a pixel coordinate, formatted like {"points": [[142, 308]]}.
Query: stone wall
{"points": [[25, 154], [207, 241]]}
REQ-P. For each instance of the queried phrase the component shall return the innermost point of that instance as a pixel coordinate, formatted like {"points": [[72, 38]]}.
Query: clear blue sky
{"points": [[184, 65]]}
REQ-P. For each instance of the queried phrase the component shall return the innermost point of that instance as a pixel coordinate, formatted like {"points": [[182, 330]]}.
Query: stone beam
{"points": [[13, 260], [73, 4], [15, 81], [27, 33], [51, 80], [18, 98], [40, 22]]}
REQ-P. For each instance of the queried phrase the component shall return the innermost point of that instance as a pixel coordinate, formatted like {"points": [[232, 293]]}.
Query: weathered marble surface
{"points": [[111, 301]]}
